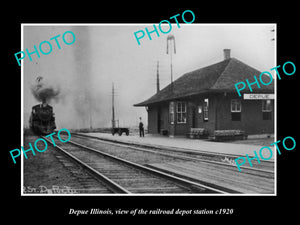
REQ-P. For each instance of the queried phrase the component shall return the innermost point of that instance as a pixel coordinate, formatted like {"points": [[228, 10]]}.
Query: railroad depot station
{"points": [[207, 98]]}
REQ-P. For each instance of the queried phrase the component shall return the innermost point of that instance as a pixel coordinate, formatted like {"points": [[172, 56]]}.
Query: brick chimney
{"points": [[226, 53]]}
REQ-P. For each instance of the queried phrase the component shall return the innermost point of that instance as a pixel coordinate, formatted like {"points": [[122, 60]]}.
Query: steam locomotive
{"points": [[42, 120]]}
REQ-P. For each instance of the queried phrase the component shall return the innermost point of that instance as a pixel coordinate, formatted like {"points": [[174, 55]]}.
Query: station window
{"points": [[171, 111], [267, 109], [181, 112], [236, 109], [205, 109]]}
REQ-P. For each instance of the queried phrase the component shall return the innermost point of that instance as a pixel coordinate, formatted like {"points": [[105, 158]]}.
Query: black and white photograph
{"points": [[108, 111], [174, 112]]}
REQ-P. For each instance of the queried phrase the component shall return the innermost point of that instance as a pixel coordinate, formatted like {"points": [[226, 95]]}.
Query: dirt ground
{"points": [[43, 172]]}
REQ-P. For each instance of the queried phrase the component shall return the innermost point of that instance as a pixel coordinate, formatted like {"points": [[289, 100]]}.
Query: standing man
{"points": [[141, 128]]}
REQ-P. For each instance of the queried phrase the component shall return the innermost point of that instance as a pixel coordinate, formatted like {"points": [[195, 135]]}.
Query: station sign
{"points": [[258, 96]]}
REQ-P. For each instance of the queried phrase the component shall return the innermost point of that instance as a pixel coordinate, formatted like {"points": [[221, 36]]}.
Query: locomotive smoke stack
{"points": [[44, 104]]}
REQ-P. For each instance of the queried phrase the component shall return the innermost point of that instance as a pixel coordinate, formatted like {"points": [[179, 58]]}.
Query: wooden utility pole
{"points": [[113, 107], [157, 78], [90, 109]]}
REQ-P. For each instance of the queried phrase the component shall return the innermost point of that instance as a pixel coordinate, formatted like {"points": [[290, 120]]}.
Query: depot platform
{"points": [[186, 144]]}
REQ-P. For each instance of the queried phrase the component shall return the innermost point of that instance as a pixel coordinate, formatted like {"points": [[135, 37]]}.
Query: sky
{"points": [[103, 54]]}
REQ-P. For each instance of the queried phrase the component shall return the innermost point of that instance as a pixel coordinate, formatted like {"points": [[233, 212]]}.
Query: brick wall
{"points": [[251, 116], [219, 115]]}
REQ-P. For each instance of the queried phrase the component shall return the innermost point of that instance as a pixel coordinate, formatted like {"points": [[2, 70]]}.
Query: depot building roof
{"points": [[218, 77]]}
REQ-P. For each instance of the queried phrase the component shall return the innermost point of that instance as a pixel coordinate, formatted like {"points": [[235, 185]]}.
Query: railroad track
{"points": [[264, 169], [85, 182], [126, 177]]}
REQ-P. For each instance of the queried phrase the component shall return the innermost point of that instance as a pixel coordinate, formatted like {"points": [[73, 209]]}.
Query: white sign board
{"points": [[258, 96]]}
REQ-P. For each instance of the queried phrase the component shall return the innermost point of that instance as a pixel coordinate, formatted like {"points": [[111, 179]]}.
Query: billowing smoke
{"points": [[44, 92]]}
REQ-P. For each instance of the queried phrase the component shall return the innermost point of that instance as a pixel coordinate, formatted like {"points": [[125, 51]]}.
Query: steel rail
{"points": [[128, 145], [165, 175], [111, 185]]}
